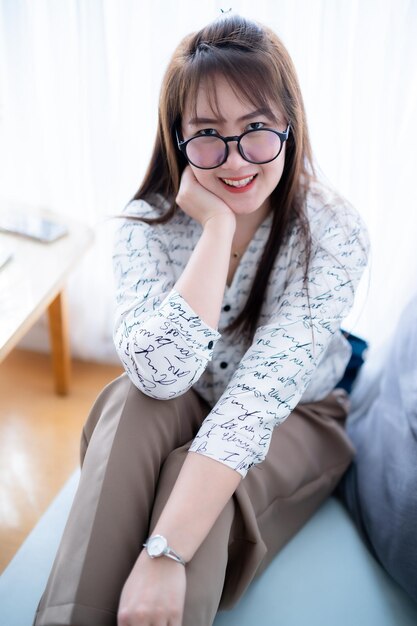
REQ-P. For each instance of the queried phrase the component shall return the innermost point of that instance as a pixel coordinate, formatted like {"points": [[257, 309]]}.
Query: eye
{"points": [[207, 132], [256, 125]]}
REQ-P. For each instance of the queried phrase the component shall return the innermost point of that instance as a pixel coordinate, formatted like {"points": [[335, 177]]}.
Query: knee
{"points": [[172, 466], [118, 386]]}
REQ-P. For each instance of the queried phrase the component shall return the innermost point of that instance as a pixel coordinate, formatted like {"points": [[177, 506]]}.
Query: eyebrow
{"points": [[194, 121]]}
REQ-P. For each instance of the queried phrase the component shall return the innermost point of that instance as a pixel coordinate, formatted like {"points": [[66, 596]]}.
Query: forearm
{"points": [[200, 493], [166, 348], [203, 280]]}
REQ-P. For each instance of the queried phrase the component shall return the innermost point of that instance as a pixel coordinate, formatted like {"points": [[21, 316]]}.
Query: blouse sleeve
{"points": [[163, 344], [276, 369]]}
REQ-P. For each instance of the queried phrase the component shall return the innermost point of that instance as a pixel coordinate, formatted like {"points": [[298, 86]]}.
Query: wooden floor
{"points": [[39, 438]]}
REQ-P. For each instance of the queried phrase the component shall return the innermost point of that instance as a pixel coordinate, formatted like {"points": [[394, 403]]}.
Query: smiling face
{"points": [[244, 186]]}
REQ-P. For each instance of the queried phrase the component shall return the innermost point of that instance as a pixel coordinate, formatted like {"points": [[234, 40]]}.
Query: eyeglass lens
{"points": [[257, 146]]}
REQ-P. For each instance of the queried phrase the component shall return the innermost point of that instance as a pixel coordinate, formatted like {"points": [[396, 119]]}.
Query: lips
{"points": [[239, 184]]}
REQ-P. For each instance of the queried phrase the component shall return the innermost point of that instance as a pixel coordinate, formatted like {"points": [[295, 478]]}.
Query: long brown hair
{"points": [[259, 69]]}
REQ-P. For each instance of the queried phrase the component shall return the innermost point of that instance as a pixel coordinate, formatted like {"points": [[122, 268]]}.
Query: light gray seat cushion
{"points": [[323, 577]]}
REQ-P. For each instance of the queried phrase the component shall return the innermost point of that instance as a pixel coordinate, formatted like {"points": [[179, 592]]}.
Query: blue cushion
{"points": [[357, 358], [323, 577]]}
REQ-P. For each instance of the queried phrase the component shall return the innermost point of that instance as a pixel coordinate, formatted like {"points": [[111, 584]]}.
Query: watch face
{"points": [[156, 545]]}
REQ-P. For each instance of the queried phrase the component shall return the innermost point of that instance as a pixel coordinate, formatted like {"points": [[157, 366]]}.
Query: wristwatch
{"points": [[158, 546]]}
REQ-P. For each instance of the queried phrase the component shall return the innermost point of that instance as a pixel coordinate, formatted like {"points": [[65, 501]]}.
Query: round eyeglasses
{"points": [[256, 146]]}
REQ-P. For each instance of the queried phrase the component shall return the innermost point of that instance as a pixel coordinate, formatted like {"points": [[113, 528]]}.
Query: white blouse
{"points": [[298, 353]]}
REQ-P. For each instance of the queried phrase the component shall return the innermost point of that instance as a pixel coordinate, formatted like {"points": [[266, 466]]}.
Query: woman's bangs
{"points": [[251, 80]]}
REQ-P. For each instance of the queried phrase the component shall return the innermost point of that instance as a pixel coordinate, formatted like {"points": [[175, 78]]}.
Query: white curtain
{"points": [[79, 86]]}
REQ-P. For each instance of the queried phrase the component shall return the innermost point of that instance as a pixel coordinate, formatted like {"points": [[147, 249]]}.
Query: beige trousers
{"points": [[132, 449]]}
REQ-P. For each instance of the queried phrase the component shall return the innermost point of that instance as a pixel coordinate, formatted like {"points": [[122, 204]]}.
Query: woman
{"points": [[234, 271]]}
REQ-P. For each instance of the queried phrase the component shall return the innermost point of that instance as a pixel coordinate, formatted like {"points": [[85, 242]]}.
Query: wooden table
{"points": [[33, 282]]}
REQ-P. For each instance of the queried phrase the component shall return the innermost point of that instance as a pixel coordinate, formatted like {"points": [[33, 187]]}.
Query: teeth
{"points": [[238, 183]]}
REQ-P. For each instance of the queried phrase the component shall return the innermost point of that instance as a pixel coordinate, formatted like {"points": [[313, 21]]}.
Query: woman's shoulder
{"points": [[323, 200], [151, 207], [328, 209], [156, 207]]}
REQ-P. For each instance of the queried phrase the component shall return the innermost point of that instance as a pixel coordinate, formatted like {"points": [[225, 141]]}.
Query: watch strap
{"points": [[170, 553]]}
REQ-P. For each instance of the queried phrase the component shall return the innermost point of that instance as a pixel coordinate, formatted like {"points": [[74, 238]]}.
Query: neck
{"points": [[247, 225]]}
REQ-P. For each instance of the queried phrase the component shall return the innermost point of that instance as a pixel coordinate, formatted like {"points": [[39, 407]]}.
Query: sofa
{"points": [[325, 576]]}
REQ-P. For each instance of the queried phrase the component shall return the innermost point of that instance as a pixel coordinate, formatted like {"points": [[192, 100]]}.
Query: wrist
{"points": [[157, 546], [223, 222], [162, 564]]}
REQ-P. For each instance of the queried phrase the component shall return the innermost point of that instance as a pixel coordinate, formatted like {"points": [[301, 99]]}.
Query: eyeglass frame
{"points": [[182, 145]]}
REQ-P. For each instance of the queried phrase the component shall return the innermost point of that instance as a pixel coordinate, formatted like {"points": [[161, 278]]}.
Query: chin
{"points": [[245, 208]]}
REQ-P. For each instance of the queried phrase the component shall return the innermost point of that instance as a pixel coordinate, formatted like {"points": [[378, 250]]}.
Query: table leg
{"points": [[58, 332]]}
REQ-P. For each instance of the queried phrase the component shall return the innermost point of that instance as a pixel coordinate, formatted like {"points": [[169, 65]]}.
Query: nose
{"points": [[234, 158]]}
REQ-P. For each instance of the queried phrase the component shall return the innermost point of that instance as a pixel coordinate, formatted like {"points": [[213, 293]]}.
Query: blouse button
{"points": [[223, 365], [210, 345], [226, 307]]}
